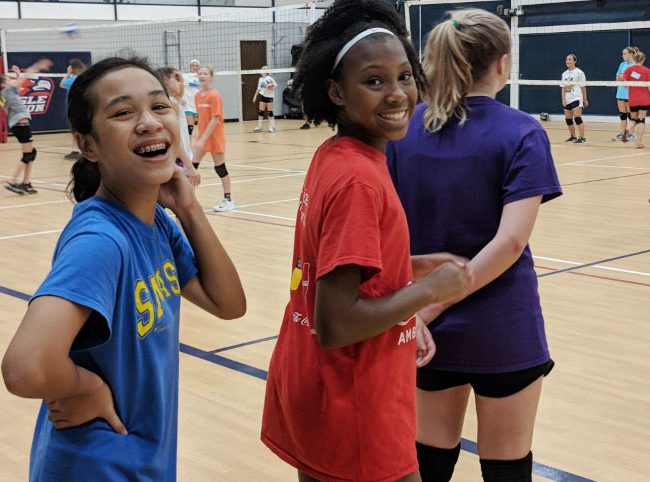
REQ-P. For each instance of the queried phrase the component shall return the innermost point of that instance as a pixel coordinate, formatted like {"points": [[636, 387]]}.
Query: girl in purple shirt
{"points": [[471, 174]]}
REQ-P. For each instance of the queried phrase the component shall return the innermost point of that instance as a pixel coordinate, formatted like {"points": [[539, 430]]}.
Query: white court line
{"points": [[268, 202], [38, 181], [35, 204], [26, 235], [263, 215], [248, 166], [599, 266], [252, 180], [615, 167], [602, 159]]}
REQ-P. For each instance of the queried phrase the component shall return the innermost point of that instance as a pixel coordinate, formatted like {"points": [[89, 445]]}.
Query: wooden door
{"points": [[253, 56]]}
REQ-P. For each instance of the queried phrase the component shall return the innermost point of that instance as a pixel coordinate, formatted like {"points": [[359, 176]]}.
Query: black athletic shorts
{"points": [[493, 385], [572, 105], [637, 108], [23, 133], [267, 100]]}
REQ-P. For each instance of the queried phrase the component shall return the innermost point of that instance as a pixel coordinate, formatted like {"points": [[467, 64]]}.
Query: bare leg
{"points": [[505, 425], [440, 416]]}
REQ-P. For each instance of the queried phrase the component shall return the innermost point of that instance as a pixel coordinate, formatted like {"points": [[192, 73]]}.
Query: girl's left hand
{"points": [[586, 103], [426, 345], [177, 193]]}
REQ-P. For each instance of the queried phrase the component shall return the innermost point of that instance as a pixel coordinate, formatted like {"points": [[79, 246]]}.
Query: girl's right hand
{"points": [[449, 282], [74, 411]]}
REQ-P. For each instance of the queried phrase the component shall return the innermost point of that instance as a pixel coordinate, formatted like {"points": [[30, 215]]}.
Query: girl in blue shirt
{"points": [[99, 342], [622, 94]]}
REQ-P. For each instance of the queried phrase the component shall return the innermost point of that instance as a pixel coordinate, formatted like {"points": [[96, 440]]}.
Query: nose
{"points": [[396, 93], [148, 122]]}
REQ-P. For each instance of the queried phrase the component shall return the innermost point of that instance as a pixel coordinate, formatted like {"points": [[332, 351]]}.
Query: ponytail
{"points": [[458, 53], [85, 180]]}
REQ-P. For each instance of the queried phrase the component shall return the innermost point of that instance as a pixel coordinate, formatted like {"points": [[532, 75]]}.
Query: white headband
{"points": [[356, 39]]}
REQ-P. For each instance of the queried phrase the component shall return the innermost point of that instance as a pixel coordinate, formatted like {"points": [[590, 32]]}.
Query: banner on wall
{"points": [[41, 94]]}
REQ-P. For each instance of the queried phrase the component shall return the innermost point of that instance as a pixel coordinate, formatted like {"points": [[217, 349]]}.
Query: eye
{"points": [[406, 76], [121, 113], [161, 106], [373, 81]]}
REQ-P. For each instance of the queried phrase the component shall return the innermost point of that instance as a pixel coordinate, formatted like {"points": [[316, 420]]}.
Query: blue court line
{"points": [[15, 294], [586, 265], [542, 470], [224, 362], [253, 342]]}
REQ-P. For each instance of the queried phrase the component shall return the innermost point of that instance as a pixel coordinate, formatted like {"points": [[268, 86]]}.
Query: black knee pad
{"points": [[28, 157], [221, 170], [578, 120], [260, 113], [628, 115], [640, 121], [569, 122], [190, 129], [271, 114], [436, 464], [519, 470], [623, 115]]}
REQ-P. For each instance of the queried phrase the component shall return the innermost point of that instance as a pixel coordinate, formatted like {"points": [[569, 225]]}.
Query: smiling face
{"points": [[376, 92], [194, 67], [205, 78], [570, 62], [134, 129]]}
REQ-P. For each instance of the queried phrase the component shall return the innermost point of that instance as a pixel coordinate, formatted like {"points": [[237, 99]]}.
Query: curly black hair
{"points": [[325, 38]]}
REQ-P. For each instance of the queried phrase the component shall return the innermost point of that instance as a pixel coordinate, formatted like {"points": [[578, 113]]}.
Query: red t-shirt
{"points": [[348, 413], [638, 95]]}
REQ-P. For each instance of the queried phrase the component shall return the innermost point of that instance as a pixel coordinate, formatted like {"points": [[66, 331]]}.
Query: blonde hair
{"points": [[639, 57], [459, 52], [631, 50], [208, 68]]}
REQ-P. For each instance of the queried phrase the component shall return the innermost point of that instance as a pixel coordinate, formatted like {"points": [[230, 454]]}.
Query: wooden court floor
{"points": [[592, 248]]}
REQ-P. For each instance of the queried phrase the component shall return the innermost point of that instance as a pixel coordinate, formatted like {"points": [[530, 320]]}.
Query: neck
{"points": [[142, 204], [485, 88], [374, 142]]}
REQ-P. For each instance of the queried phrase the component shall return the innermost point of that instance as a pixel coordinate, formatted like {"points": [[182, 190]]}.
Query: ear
{"points": [[502, 64], [335, 93], [86, 145]]}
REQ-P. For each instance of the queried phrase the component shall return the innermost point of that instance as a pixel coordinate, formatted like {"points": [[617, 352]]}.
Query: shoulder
{"points": [[99, 220]]}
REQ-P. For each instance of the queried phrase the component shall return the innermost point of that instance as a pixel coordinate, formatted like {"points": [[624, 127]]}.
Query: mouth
{"points": [[394, 116], [152, 150]]}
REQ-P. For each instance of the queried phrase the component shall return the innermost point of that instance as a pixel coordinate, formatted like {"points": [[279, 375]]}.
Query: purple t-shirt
{"points": [[453, 185]]}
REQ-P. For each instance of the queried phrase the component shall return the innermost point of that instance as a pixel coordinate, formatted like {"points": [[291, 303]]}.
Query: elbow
{"points": [[327, 335], [234, 312], [21, 378], [516, 246]]}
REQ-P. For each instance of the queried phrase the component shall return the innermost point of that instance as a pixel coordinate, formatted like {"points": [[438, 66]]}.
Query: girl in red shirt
{"points": [[340, 396], [639, 96]]}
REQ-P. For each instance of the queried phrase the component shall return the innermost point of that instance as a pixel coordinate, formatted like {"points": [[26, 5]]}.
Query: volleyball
{"points": [[70, 30]]}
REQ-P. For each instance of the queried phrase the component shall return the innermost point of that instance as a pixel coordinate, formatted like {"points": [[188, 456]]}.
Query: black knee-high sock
{"points": [[436, 464], [519, 470]]}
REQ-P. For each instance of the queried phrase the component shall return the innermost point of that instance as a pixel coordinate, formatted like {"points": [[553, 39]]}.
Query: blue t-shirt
{"points": [[622, 92], [67, 83], [453, 185], [130, 274]]}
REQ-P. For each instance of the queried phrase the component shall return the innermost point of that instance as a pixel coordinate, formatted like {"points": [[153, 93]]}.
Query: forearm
{"points": [[53, 380], [217, 274], [366, 318], [493, 260]]}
